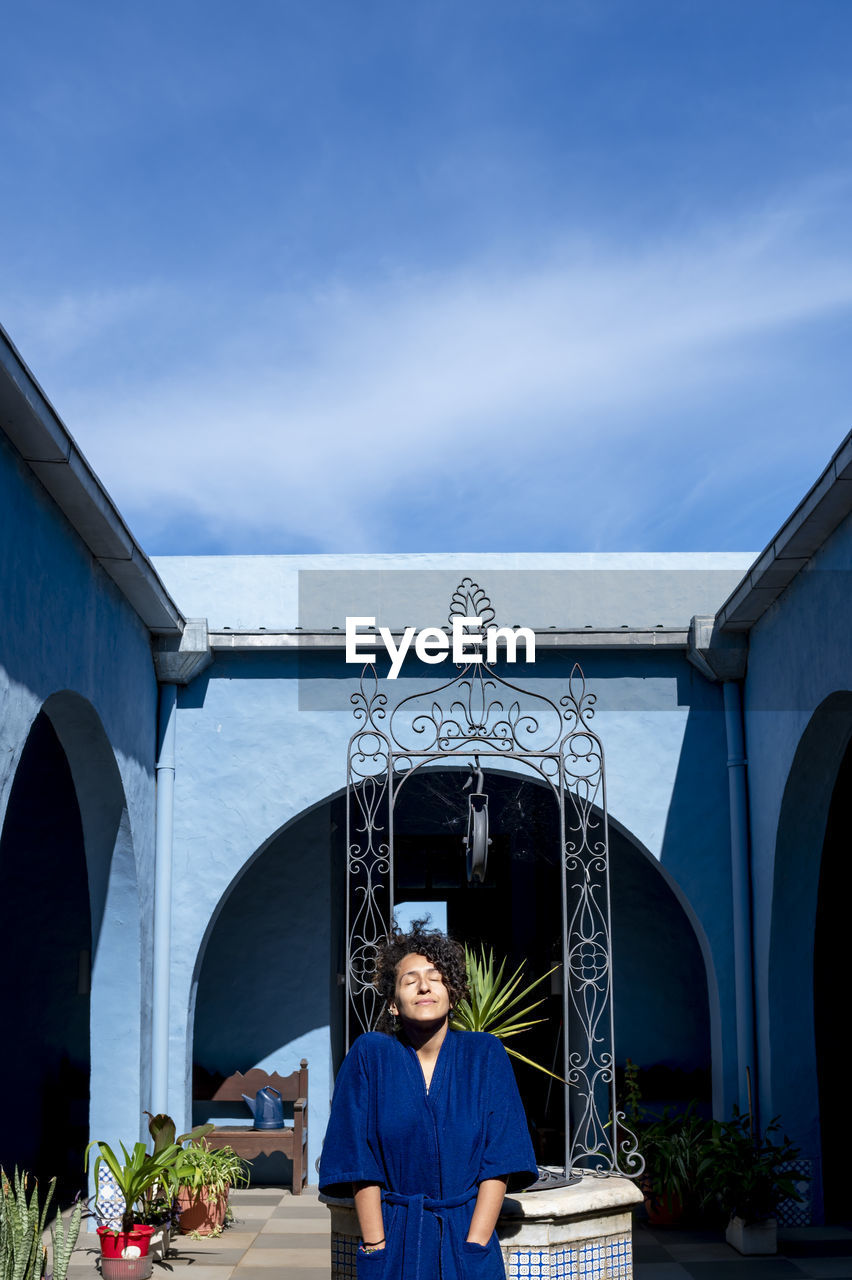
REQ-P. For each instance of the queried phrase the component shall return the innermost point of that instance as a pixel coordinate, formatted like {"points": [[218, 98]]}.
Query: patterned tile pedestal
{"points": [[574, 1233]]}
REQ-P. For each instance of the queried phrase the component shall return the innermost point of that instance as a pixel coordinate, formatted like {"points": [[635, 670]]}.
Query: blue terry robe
{"points": [[429, 1151]]}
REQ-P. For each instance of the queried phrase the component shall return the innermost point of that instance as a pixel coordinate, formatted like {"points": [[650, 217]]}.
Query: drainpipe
{"points": [[165, 771], [722, 657], [742, 898]]}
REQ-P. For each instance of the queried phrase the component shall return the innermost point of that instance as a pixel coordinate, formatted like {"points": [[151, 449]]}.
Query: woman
{"points": [[426, 1125]]}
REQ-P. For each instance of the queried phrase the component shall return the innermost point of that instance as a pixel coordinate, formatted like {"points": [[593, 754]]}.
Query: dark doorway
{"points": [[661, 1005], [831, 974], [45, 924], [516, 910]]}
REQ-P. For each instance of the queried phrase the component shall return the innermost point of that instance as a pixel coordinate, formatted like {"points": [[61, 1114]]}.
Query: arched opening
{"points": [[268, 976], [71, 911], [661, 1004], [807, 963], [266, 992], [831, 973], [46, 927]]}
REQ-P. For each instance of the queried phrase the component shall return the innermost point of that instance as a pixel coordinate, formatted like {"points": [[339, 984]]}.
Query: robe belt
{"points": [[415, 1207]]}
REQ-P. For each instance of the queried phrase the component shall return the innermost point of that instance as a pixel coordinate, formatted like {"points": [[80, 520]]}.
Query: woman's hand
{"points": [[368, 1207], [486, 1211]]}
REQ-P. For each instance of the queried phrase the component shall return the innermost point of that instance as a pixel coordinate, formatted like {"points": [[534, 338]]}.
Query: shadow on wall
{"points": [[808, 954], [263, 994], [46, 930], [662, 1019], [695, 853]]}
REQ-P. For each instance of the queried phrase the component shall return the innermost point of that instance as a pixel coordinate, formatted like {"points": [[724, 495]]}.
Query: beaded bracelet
{"points": [[371, 1246]]}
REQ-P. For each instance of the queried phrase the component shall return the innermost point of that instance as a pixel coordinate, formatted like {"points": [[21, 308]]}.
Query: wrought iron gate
{"points": [[480, 714]]}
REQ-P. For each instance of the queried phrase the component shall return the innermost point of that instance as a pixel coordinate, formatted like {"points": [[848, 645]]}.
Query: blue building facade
{"points": [[172, 810]]}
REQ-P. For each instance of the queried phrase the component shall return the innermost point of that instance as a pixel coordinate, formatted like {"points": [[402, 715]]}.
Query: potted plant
{"points": [[158, 1209], [748, 1177], [158, 1206], [133, 1177], [205, 1175], [22, 1254], [675, 1149]]}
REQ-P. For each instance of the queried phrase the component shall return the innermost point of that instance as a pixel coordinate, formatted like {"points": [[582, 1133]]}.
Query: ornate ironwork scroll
{"points": [[479, 713]]}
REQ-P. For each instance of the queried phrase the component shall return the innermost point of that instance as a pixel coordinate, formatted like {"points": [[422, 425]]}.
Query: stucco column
{"points": [[177, 660], [163, 898]]}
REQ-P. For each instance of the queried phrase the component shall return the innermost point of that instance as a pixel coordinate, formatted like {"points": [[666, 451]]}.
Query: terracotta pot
{"points": [[663, 1211], [114, 1243], [200, 1211]]}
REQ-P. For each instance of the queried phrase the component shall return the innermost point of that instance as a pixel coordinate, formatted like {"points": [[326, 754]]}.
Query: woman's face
{"points": [[421, 994]]}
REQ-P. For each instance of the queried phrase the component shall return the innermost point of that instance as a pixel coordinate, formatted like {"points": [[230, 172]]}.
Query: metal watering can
{"points": [[267, 1108]]}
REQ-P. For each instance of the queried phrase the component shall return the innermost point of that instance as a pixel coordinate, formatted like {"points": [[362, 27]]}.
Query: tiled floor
{"points": [[815, 1253], [275, 1233]]}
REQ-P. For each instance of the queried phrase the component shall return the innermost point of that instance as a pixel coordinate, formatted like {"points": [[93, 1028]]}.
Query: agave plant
{"points": [[22, 1254], [496, 1005]]}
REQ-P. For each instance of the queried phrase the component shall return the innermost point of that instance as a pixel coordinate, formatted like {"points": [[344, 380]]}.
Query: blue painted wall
{"points": [[71, 645], [798, 706]]}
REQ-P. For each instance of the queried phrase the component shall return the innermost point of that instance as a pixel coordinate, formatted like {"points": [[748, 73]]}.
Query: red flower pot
{"points": [[200, 1211], [113, 1243]]}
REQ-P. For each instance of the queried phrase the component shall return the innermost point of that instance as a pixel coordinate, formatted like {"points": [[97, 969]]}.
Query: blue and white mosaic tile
{"points": [[110, 1201], [797, 1213], [609, 1259]]}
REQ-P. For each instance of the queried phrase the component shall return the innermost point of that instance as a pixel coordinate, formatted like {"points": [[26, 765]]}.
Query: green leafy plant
{"points": [[138, 1174], [22, 1219], [676, 1150], [163, 1129], [748, 1175], [158, 1206], [496, 1005], [212, 1168], [632, 1105]]}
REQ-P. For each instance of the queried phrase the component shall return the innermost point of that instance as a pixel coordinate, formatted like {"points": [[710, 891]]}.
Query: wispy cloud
{"points": [[384, 414]]}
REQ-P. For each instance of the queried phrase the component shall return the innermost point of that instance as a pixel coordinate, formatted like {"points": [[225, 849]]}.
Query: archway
{"points": [[45, 924], [662, 1002], [68, 777], [266, 990], [832, 971], [807, 962]]}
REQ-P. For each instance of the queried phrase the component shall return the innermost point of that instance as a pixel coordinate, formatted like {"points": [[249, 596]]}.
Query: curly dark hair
{"points": [[445, 954]]}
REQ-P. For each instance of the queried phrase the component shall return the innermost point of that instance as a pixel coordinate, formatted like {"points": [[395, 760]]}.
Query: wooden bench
{"points": [[292, 1140]]}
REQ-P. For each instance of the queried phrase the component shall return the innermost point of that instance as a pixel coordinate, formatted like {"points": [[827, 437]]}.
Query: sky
{"points": [[421, 275]]}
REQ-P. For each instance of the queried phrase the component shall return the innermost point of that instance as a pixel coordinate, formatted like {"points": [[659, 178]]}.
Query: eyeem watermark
{"points": [[432, 644]]}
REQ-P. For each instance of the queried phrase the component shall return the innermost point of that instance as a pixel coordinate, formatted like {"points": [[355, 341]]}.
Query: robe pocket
{"points": [[370, 1264], [483, 1260]]}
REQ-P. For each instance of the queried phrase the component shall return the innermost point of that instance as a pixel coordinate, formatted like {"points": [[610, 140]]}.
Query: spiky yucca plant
{"points": [[496, 1005], [22, 1218], [63, 1240]]}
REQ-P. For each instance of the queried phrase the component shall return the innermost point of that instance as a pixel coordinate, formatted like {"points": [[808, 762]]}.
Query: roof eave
{"points": [[826, 504], [34, 428]]}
